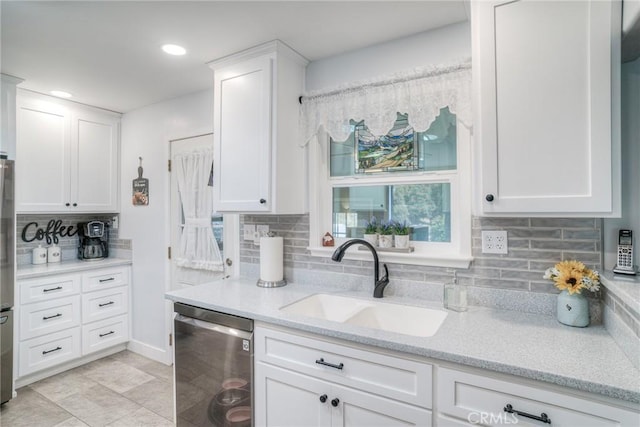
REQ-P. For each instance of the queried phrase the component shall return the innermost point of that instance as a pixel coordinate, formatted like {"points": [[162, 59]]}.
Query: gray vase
{"points": [[573, 310]]}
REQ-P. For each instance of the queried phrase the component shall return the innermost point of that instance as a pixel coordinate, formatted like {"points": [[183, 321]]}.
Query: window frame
{"points": [[454, 254]]}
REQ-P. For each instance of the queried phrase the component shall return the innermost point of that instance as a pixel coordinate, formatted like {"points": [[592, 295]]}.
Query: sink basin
{"points": [[390, 317]]}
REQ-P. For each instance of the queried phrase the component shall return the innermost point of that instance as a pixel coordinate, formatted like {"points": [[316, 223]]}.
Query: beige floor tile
{"points": [[30, 409], [141, 418], [98, 406], [63, 385], [117, 376], [130, 358], [71, 422], [156, 395], [158, 370]]}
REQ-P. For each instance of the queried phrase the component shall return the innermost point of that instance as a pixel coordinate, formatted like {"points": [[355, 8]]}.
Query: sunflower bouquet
{"points": [[573, 276]]}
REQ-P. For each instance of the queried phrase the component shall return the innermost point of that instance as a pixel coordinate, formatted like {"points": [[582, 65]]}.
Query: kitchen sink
{"points": [[390, 317]]}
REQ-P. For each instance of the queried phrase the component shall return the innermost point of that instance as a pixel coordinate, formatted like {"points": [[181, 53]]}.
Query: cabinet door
{"points": [[242, 136], [284, 398], [43, 156], [94, 185], [546, 74]]}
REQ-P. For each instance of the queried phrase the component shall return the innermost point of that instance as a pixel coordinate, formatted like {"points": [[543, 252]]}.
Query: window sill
{"points": [[449, 261]]}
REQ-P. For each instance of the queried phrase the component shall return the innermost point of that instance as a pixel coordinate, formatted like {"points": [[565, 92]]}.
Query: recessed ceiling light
{"points": [[60, 94], [174, 49]]}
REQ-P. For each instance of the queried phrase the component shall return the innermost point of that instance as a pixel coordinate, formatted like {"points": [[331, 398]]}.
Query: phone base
{"points": [[619, 270]]}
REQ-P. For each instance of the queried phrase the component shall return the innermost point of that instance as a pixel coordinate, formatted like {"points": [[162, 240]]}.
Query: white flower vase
{"points": [[401, 241], [573, 310], [371, 238], [385, 240]]}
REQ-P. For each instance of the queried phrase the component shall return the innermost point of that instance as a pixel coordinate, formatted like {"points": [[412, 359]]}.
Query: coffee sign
{"points": [[54, 229]]}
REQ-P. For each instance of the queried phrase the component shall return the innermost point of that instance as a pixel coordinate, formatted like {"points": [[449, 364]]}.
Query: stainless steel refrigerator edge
{"points": [[7, 277]]}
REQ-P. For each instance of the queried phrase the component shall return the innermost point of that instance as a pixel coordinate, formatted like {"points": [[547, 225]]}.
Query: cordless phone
{"points": [[625, 253]]}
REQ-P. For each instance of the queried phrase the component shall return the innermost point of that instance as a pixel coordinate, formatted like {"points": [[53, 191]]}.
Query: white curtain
{"points": [[420, 93], [198, 247]]}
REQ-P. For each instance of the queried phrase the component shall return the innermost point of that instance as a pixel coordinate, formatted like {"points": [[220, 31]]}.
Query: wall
{"points": [[68, 245], [145, 133], [630, 166]]}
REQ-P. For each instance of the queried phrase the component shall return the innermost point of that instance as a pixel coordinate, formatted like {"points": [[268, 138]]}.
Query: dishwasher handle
{"points": [[213, 327]]}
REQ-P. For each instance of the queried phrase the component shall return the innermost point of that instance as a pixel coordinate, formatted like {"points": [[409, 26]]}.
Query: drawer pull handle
{"points": [[110, 279], [106, 303], [542, 418], [51, 351], [52, 289], [331, 365], [51, 317], [108, 333]]}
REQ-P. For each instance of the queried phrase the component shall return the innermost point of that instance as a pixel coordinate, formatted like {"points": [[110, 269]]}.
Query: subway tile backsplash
{"points": [[535, 244], [68, 245]]}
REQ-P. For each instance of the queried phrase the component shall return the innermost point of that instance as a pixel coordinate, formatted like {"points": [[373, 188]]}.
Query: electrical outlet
{"points": [[114, 223], [249, 231], [495, 242], [262, 229]]}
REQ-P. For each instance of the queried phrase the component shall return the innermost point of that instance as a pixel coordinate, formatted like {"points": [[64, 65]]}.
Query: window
{"points": [[417, 178]]}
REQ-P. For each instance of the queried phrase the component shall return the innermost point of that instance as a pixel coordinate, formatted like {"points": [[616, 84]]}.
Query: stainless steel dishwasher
{"points": [[213, 368]]}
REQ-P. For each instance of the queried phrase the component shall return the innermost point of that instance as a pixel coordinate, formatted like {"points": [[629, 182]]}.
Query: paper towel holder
{"points": [[269, 284]]}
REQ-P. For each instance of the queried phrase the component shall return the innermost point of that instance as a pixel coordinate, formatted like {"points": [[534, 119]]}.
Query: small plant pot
{"points": [[385, 240], [401, 241], [372, 238]]}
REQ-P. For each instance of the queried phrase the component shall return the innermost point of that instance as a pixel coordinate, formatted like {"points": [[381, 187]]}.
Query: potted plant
{"points": [[401, 231], [385, 232], [572, 277], [371, 231]]}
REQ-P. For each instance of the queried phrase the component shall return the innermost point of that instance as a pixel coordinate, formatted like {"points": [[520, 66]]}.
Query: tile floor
{"points": [[121, 390]]}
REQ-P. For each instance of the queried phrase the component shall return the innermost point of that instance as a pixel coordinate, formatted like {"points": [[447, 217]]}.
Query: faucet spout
{"points": [[379, 284]]}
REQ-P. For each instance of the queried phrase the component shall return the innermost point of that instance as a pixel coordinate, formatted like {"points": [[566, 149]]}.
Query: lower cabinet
{"points": [[472, 399], [66, 316], [302, 381]]}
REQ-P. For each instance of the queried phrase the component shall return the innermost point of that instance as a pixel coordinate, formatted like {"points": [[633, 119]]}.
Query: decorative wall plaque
{"points": [[140, 189]]}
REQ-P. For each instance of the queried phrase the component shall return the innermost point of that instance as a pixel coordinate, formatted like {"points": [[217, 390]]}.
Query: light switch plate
{"points": [[494, 242], [249, 230]]}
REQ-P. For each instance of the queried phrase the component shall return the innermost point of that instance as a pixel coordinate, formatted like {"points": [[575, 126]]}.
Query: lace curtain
{"points": [[198, 247], [420, 93]]}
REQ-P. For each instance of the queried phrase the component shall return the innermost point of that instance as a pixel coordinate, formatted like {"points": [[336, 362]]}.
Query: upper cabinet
{"points": [[547, 110], [67, 157], [8, 115], [259, 161]]}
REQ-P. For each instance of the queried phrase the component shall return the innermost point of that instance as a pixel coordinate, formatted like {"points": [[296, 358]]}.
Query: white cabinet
{"points": [[301, 380], [546, 101], [66, 316], [475, 399], [67, 156], [8, 115], [259, 162]]}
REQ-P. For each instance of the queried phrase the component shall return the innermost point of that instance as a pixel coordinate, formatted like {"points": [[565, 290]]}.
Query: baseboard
{"points": [[149, 351]]}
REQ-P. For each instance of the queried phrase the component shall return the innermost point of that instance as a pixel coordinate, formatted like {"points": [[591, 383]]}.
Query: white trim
{"points": [[149, 351]]}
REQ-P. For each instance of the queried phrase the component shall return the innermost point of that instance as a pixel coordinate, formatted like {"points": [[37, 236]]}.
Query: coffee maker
{"points": [[94, 240]]}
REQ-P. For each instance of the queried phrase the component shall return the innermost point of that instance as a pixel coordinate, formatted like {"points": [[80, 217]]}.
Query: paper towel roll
{"points": [[271, 255]]}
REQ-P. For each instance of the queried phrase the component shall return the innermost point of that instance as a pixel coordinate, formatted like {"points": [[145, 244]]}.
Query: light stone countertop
{"points": [[31, 271], [528, 345], [627, 288]]}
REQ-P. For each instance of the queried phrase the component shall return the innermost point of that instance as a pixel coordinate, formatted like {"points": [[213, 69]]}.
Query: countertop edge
{"points": [[35, 271]]}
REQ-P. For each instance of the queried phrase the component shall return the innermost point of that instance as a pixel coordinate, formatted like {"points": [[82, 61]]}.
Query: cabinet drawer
{"points": [[105, 279], [46, 288], [104, 333], [103, 304], [49, 316], [470, 397], [397, 378], [49, 350]]}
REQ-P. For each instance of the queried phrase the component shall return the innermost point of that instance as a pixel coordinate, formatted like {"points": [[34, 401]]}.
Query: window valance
{"points": [[420, 93]]}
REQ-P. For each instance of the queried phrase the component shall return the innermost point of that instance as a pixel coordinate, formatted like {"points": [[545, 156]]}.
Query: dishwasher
{"points": [[213, 368]]}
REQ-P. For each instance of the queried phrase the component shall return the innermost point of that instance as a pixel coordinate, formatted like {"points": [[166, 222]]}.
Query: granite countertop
{"points": [[527, 345], [627, 288], [31, 271]]}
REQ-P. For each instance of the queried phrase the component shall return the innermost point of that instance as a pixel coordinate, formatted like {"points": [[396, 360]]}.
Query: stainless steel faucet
{"points": [[379, 284]]}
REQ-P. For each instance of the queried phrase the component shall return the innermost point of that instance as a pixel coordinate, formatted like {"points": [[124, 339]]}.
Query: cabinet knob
{"points": [[75, 204], [67, 204], [263, 201], [323, 398], [335, 402], [489, 197]]}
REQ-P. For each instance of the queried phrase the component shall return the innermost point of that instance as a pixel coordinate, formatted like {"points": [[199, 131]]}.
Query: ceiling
{"points": [[107, 53]]}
